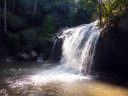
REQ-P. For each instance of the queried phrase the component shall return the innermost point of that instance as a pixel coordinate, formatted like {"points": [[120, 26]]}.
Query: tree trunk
{"points": [[34, 12], [104, 7], [5, 16], [100, 14], [13, 7], [101, 2]]}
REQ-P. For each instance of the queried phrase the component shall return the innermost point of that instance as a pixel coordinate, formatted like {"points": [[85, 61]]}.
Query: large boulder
{"points": [[111, 57]]}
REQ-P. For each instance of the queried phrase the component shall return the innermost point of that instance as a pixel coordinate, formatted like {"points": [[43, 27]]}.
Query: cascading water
{"points": [[78, 46]]}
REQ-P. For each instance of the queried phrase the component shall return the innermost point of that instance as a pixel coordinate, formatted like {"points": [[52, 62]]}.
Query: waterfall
{"points": [[78, 46]]}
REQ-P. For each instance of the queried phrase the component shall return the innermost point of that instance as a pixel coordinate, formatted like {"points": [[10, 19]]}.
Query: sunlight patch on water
{"points": [[38, 79], [46, 76]]}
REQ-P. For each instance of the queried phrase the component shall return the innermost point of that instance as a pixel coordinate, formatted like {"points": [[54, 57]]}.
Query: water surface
{"points": [[57, 80]]}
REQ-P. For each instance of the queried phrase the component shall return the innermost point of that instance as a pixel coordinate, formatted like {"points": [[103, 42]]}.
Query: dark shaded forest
{"points": [[28, 25]]}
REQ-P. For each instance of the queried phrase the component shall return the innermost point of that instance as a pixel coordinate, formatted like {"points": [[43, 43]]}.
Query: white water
{"points": [[79, 46]]}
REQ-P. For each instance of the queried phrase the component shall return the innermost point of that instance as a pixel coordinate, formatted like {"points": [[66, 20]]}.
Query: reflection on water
{"points": [[54, 81]]}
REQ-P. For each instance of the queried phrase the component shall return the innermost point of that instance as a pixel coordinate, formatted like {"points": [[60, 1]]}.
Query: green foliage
{"points": [[114, 8], [85, 12], [47, 25]]}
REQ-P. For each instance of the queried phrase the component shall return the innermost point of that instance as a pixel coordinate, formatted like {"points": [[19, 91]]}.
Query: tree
{"points": [[13, 7], [103, 5], [48, 27], [34, 11], [112, 8], [5, 16], [100, 13]]}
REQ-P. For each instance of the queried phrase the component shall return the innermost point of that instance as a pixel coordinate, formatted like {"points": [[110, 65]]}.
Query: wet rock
{"points": [[7, 60], [112, 52], [25, 56], [124, 24], [33, 54], [40, 59]]}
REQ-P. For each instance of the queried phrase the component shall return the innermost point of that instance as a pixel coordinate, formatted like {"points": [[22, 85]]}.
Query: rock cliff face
{"points": [[111, 57]]}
